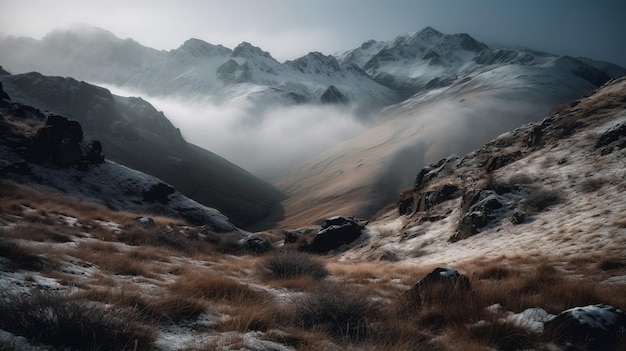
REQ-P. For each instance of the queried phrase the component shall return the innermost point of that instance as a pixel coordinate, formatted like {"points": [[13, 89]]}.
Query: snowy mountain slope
{"points": [[364, 174], [196, 68], [135, 134], [548, 189], [429, 59]]}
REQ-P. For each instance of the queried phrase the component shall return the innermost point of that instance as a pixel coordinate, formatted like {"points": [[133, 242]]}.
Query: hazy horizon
{"points": [[289, 30]]}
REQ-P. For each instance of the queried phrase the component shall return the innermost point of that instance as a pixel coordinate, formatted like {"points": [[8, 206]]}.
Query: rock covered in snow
{"points": [[596, 327], [440, 275]]}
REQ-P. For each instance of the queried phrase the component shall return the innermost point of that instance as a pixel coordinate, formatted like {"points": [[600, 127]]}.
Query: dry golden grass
{"points": [[206, 284]]}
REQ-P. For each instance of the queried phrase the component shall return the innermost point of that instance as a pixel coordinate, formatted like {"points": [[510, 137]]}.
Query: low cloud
{"points": [[266, 142]]}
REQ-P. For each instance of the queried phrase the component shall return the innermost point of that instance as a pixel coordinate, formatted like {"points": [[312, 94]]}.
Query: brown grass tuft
{"points": [[211, 286]]}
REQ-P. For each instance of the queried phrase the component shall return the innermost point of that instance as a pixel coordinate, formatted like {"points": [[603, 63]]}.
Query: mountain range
{"points": [[422, 96], [505, 166]]}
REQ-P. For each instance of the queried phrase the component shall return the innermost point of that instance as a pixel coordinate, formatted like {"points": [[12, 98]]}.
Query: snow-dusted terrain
{"points": [[570, 159], [577, 153]]}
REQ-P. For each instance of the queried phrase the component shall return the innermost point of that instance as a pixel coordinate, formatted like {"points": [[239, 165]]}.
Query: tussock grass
{"points": [[21, 257], [340, 312], [208, 285], [38, 232], [48, 318], [293, 264], [540, 199]]}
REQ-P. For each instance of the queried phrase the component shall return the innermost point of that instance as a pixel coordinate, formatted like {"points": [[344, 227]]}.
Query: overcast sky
{"points": [[291, 28]]}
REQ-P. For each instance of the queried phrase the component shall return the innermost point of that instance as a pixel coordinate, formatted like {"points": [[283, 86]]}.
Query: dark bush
{"points": [[45, 317], [342, 313], [540, 199], [293, 264], [21, 258]]}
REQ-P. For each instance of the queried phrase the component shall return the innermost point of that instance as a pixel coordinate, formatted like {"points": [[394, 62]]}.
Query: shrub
{"points": [[22, 258], [47, 318], [540, 199], [589, 185], [293, 264], [341, 313]]}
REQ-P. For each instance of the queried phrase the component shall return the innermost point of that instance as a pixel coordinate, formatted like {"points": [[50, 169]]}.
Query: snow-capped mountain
{"points": [[441, 94], [195, 68], [429, 59]]}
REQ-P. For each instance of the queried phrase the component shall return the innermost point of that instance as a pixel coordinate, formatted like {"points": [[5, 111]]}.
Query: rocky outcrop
{"points": [[332, 95], [593, 327], [61, 142], [478, 207], [336, 232], [158, 193], [613, 138]]}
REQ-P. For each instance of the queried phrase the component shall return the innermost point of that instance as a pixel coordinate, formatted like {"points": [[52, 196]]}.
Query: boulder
{"points": [[61, 141], [612, 136], [593, 327], [158, 193], [335, 232], [448, 276], [255, 244], [478, 207]]}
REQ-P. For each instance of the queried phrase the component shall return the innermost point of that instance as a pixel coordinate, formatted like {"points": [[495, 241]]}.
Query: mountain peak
{"points": [[198, 48], [314, 62], [429, 32], [247, 50]]}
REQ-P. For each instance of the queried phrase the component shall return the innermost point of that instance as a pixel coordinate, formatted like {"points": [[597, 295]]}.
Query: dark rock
{"points": [[593, 327], [3, 94], [335, 232], [145, 222], [158, 193], [332, 95], [534, 137], [65, 128], [68, 154], [478, 207], [612, 135], [19, 168], [93, 153], [500, 161], [448, 276], [430, 172], [389, 256], [291, 237], [518, 217], [429, 199], [405, 203], [255, 244], [60, 142]]}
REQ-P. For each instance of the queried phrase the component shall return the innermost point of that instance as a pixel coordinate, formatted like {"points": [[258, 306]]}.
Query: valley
{"points": [[505, 165]]}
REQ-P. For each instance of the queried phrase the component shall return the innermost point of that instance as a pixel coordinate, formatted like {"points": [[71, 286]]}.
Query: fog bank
{"points": [[264, 141]]}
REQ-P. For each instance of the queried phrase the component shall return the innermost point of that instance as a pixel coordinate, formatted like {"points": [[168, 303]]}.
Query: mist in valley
{"points": [[265, 141]]}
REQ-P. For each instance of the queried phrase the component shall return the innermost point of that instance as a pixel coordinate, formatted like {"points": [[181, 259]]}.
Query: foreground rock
{"points": [[593, 327], [336, 232]]}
